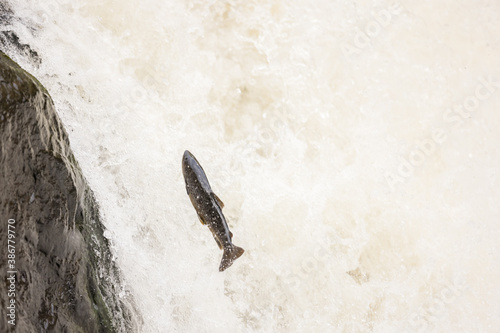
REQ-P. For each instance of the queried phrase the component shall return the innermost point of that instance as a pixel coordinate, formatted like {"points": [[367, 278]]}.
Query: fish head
{"points": [[193, 172], [189, 162]]}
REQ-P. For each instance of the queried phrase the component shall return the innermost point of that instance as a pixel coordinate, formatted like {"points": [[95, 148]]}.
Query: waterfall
{"points": [[354, 145]]}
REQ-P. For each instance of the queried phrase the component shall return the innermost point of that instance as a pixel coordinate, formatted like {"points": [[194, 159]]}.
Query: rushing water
{"points": [[355, 146]]}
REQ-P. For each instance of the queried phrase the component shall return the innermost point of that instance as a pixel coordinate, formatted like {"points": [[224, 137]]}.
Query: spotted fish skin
{"points": [[209, 208]]}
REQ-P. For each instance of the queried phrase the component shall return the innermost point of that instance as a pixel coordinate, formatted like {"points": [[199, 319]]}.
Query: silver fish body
{"points": [[209, 208]]}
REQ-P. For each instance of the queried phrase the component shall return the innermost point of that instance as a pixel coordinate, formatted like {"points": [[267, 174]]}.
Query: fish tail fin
{"points": [[230, 254]]}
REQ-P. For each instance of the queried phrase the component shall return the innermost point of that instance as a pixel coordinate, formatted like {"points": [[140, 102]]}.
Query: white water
{"points": [[334, 151]]}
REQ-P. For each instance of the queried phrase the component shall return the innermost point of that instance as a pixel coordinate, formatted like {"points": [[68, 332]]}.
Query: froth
{"points": [[307, 120]]}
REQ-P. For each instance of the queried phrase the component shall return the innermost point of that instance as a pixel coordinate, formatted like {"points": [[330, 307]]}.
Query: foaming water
{"points": [[355, 147]]}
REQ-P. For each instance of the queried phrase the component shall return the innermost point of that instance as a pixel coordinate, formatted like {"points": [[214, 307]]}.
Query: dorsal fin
{"points": [[219, 201]]}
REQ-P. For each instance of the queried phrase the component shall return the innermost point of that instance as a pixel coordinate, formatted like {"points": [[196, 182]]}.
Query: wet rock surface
{"points": [[65, 278]]}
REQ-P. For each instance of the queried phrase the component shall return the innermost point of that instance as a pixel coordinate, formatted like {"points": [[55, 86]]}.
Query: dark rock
{"points": [[66, 280]]}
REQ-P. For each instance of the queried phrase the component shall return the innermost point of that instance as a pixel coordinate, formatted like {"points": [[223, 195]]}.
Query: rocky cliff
{"points": [[65, 279]]}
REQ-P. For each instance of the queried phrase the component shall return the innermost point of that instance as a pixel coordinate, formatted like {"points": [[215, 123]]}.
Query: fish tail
{"points": [[231, 253]]}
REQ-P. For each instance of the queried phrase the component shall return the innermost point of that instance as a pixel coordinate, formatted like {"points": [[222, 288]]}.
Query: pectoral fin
{"points": [[219, 201]]}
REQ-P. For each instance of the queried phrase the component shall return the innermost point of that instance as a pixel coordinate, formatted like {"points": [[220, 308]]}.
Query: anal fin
{"points": [[218, 243]]}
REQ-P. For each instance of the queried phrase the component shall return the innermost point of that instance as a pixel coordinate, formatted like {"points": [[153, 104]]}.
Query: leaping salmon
{"points": [[209, 208]]}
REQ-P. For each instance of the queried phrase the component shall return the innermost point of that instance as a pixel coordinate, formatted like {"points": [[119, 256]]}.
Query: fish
{"points": [[208, 206]]}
